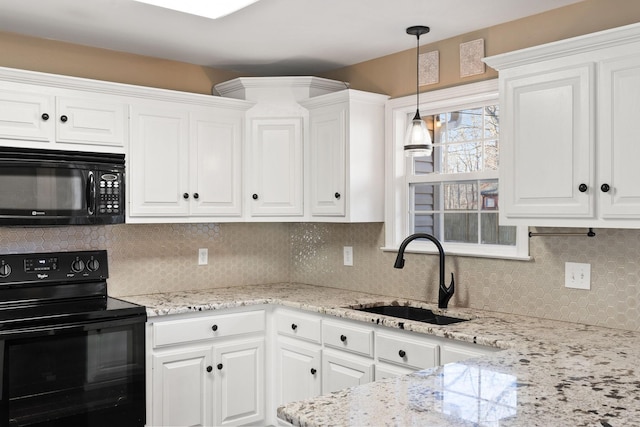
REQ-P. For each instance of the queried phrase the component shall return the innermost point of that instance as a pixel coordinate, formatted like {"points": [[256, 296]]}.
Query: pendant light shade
{"points": [[417, 140]]}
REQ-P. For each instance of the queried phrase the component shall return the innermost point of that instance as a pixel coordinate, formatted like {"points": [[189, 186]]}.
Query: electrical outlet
{"points": [[203, 256], [577, 275], [347, 253]]}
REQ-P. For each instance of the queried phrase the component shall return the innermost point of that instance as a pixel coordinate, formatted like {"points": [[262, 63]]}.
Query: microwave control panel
{"points": [[109, 193]]}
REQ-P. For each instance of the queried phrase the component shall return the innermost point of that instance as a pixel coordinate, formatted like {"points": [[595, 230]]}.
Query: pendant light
{"points": [[417, 140]]}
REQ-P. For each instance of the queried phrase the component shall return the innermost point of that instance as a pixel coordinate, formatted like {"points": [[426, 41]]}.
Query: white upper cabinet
{"points": [[569, 114], [275, 169], [346, 141], [315, 150], [184, 163], [43, 117]]}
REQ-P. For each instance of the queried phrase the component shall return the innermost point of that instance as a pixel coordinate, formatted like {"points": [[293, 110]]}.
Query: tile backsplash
{"points": [[150, 258]]}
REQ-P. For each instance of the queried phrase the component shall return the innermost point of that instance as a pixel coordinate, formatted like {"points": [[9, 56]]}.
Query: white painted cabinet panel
{"points": [[547, 144], [91, 121], [298, 371], [276, 167], [27, 116], [216, 173], [346, 139], [239, 389], [619, 127], [158, 161], [341, 370], [182, 388]]}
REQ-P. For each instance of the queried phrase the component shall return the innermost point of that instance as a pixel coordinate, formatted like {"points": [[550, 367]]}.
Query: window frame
{"points": [[398, 112]]}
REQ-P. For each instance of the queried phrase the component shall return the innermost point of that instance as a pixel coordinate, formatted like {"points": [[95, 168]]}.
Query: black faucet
{"points": [[444, 293]]}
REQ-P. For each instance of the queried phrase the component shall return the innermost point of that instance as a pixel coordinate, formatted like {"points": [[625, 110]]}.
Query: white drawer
{"points": [[344, 336], [202, 328], [298, 325], [405, 351]]}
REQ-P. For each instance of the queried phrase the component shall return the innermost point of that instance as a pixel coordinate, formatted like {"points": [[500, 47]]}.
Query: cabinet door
{"points": [[239, 389], [619, 127], [182, 388], [275, 183], [216, 164], [341, 371], [90, 121], [297, 371], [328, 127], [547, 147], [158, 162], [26, 116]]}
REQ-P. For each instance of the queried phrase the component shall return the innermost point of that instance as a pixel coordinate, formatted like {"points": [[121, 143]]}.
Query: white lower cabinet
{"points": [[342, 370], [237, 366], [207, 370]]}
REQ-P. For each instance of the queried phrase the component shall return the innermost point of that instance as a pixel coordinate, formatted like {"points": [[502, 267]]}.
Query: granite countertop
{"points": [[549, 374]]}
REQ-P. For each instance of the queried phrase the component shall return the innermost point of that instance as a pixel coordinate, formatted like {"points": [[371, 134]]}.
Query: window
{"points": [[453, 194]]}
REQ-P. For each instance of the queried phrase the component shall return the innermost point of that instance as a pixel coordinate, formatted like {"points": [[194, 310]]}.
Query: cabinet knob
{"points": [[605, 188], [196, 195], [219, 366], [209, 368], [214, 328], [337, 196], [343, 338], [402, 353], [583, 188], [294, 326], [64, 119], [185, 196], [45, 116], [254, 197], [313, 371]]}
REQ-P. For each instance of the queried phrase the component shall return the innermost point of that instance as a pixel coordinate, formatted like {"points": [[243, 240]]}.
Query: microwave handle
{"points": [[91, 194]]}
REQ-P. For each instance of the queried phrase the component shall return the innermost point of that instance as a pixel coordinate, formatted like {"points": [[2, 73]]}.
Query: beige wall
{"points": [[160, 258], [394, 75]]}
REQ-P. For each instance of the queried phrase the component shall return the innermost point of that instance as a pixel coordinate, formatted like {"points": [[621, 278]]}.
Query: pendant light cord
{"points": [[417, 74]]}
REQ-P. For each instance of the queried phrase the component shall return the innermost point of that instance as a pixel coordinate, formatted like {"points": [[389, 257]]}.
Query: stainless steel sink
{"points": [[411, 313]]}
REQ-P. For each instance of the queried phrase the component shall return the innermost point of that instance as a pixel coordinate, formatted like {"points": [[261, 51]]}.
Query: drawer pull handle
{"points": [[45, 116], [64, 119], [583, 188], [219, 366], [313, 371], [209, 368], [402, 353], [605, 188], [254, 197], [337, 196], [214, 328], [294, 326], [343, 338], [185, 196]]}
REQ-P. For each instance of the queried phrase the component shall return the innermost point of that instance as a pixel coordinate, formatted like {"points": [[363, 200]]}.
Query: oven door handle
{"points": [[68, 328]]}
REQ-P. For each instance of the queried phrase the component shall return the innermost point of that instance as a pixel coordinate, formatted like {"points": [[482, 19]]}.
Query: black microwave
{"points": [[53, 187]]}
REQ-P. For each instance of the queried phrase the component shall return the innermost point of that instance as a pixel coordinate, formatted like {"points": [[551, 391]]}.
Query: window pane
{"points": [[461, 227], [464, 125], [491, 124], [425, 224], [491, 155], [493, 234], [461, 158], [425, 197], [489, 195], [462, 196]]}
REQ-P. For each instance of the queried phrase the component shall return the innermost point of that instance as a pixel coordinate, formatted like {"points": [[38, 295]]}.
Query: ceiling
{"points": [[270, 37]]}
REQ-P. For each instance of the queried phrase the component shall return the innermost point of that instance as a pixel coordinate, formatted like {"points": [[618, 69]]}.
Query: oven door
{"points": [[74, 375]]}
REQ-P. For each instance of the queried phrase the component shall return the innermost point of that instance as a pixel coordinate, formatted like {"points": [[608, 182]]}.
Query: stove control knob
{"points": [[77, 266], [93, 265], [5, 270]]}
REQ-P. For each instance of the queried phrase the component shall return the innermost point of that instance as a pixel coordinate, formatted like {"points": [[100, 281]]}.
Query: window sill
{"points": [[486, 252]]}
